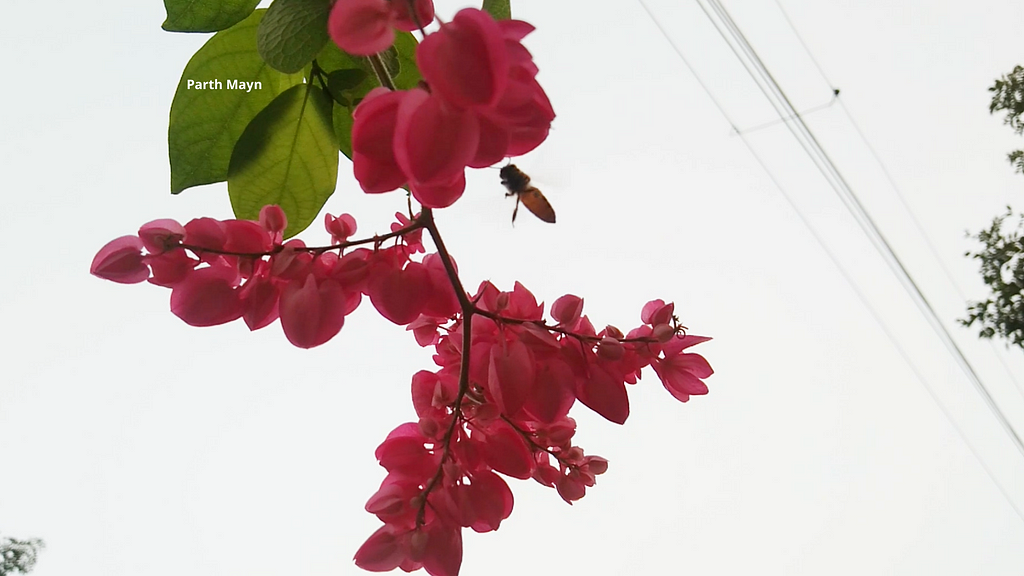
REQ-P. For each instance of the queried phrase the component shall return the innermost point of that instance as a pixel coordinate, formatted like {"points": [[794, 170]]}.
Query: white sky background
{"points": [[136, 445]]}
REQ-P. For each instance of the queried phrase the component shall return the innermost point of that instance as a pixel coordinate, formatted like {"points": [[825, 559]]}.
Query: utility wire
{"points": [[899, 193], [836, 262], [845, 192], [835, 97]]}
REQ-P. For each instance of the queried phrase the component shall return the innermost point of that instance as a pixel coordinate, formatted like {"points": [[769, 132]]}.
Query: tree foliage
{"points": [[1002, 269], [1008, 97], [18, 556], [1000, 256]]}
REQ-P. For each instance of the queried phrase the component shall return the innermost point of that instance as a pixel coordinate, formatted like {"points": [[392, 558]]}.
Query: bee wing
{"points": [[535, 202]]}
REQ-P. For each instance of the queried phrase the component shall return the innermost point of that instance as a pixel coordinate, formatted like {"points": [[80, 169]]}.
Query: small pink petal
{"points": [[161, 235], [567, 310], [382, 552], [362, 27], [121, 260]]}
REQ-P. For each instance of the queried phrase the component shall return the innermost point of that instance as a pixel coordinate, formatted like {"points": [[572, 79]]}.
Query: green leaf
{"points": [[293, 32], [345, 79], [408, 75], [498, 9], [402, 63], [205, 15], [206, 123], [342, 118], [288, 155]]}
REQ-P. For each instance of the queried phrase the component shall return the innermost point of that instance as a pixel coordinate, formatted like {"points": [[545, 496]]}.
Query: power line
{"points": [[802, 132], [833, 100], [835, 260], [892, 182]]}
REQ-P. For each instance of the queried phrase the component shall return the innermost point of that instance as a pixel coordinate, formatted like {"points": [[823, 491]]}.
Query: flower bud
{"points": [[567, 310], [610, 349], [663, 333], [121, 261], [273, 219]]}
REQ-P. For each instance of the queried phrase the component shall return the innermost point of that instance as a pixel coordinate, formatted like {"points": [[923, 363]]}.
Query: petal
{"points": [[246, 237], [603, 394], [444, 550], [511, 376], [504, 450], [361, 27], [553, 393], [466, 60], [312, 313], [679, 383], [679, 343], [403, 16], [206, 233], [260, 301], [121, 260], [171, 267], [400, 295], [273, 219], [438, 195], [490, 501], [208, 297], [567, 310], [433, 143], [161, 235], [494, 142], [373, 137], [381, 552]]}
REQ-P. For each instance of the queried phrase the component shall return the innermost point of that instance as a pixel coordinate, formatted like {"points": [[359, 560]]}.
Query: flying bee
{"points": [[518, 184]]}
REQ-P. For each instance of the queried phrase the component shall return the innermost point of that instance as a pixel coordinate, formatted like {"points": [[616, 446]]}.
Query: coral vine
{"points": [[498, 403]]}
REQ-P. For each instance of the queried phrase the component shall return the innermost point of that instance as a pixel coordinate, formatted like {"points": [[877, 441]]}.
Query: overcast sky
{"points": [[138, 446]]}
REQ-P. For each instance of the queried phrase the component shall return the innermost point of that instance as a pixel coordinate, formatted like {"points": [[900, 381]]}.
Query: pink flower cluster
{"points": [[510, 417], [497, 405], [220, 271], [480, 103]]}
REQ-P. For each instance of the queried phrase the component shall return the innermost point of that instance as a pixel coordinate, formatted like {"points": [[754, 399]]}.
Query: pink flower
{"points": [[682, 374], [162, 235], [208, 297], [466, 61], [121, 261], [365, 27], [421, 15], [340, 228], [170, 267], [567, 310], [313, 312], [274, 220], [373, 142], [362, 27], [482, 103], [400, 295], [433, 143]]}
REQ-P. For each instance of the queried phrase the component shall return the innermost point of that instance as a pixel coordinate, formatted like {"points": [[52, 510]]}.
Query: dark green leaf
{"points": [[345, 79], [206, 123], [293, 32], [205, 15], [499, 9], [288, 155], [343, 128]]}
